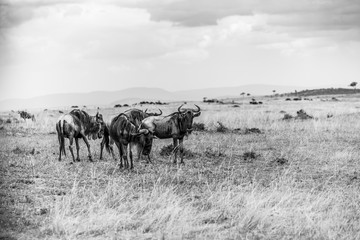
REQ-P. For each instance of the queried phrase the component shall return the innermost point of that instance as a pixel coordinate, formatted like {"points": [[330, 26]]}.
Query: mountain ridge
{"points": [[107, 98]]}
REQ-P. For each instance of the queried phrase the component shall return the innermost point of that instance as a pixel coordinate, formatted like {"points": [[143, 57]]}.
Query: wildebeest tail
{"points": [[60, 130], [106, 139]]}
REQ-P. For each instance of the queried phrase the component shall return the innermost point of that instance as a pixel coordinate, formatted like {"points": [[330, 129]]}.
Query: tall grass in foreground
{"points": [[124, 210]]}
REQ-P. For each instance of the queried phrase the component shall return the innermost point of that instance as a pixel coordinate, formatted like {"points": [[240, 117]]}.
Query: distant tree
{"points": [[204, 99], [248, 94], [274, 91], [353, 84]]}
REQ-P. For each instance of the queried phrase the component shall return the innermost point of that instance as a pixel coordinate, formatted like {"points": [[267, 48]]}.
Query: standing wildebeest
{"points": [[78, 124], [124, 133], [175, 126], [25, 115], [135, 117]]}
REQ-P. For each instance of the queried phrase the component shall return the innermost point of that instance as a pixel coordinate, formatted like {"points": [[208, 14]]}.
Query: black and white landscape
{"points": [[179, 119]]}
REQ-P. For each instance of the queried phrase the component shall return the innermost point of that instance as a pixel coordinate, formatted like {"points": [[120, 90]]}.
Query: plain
{"points": [[295, 179]]}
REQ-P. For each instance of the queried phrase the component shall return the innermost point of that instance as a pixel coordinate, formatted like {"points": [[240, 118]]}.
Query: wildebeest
{"points": [[25, 115], [175, 126], [124, 133], [135, 117], [78, 124]]}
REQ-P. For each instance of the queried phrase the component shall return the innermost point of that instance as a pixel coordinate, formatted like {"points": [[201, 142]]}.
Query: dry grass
{"points": [[302, 183]]}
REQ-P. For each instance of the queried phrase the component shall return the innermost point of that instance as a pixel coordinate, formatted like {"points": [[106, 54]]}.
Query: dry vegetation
{"points": [[297, 179]]}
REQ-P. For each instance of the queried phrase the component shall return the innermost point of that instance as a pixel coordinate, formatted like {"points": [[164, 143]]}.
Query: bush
{"points": [[168, 150], [250, 155], [199, 127], [287, 116], [221, 128]]}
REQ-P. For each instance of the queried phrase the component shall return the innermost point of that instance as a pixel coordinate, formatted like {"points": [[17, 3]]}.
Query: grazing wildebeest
{"points": [[175, 126], [124, 133], [78, 124], [25, 115], [135, 117]]}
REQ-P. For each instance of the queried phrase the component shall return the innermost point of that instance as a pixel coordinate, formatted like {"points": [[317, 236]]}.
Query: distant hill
{"points": [[132, 95], [324, 91]]}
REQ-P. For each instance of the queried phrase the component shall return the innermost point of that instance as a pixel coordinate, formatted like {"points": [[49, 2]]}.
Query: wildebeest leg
{"points": [[88, 146], [181, 146], [125, 155], [129, 156], [77, 149], [102, 144], [120, 154], [71, 140], [175, 144], [148, 158], [61, 143]]}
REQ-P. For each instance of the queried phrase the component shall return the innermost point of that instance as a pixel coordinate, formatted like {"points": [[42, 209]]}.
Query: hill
{"points": [[324, 91], [131, 95]]}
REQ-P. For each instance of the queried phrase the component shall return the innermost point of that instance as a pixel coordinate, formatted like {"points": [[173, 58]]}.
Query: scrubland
{"points": [[297, 179]]}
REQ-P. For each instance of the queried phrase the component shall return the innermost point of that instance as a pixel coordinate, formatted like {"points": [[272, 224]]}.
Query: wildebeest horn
{"points": [[198, 108], [179, 109], [145, 111], [158, 114]]}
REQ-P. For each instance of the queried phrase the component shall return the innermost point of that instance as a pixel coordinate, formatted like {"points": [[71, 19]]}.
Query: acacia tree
{"points": [[353, 84]]}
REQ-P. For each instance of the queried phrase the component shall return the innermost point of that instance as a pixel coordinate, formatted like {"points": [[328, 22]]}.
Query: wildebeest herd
{"points": [[132, 128]]}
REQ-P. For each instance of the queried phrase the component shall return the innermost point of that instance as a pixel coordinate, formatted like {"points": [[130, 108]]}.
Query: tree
{"points": [[248, 94], [274, 91], [353, 84]]}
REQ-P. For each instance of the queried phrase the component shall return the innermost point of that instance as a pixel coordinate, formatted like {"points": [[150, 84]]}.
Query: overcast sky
{"points": [[57, 46]]}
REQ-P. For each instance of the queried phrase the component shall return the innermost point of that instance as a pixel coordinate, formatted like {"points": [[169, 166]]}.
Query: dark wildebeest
{"points": [[25, 115], [78, 124], [135, 117], [124, 133], [175, 126]]}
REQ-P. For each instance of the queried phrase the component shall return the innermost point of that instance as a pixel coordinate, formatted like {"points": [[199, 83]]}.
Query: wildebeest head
{"points": [[100, 126], [186, 117], [145, 140]]}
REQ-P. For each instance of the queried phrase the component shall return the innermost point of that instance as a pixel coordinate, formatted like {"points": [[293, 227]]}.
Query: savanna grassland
{"points": [[296, 179]]}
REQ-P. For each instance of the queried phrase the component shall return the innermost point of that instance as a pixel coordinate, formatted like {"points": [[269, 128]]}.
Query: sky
{"points": [[60, 46]]}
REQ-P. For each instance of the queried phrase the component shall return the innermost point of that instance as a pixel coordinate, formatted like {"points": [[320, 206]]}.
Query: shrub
{"points": [[287, 116], [250, 155], [198, 127], [252, 130], [167, 151], [221, 128], [210, 152]]}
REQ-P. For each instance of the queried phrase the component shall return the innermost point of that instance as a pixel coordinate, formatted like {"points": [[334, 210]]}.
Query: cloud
{"points": [[282, 16]]}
